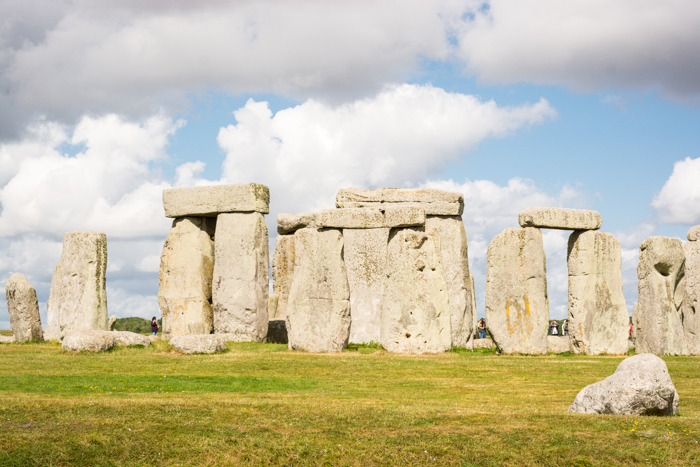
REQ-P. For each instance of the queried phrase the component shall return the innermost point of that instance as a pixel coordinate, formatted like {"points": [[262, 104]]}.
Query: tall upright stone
{"points": [[470, 342], [318, 310], [78, 297], [185, 281], [691, 302], [282, 273], [415, 308], [23, 308], [661, 274], [241, 276], [598, 320], [365, 261], [517, 306], [455, 263]]}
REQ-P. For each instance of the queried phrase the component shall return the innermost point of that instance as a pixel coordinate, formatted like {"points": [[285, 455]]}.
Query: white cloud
{"points": [[587, 44], [678, 202]]}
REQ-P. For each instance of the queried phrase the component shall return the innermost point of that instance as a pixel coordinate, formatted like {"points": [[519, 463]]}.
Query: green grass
{"points": [[260, 404]]}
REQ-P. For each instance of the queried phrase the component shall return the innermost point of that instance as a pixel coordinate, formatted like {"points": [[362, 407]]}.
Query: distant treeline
{"points": [[135, 324]]}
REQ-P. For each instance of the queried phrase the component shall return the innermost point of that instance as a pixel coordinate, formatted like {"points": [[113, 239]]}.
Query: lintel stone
{"points": [[208, 201], [290, 223], [434, 202], [372, 218], [560, 218]]}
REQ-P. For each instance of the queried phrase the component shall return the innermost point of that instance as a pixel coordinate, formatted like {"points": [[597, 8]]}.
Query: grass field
{"points": [[260, 404]]}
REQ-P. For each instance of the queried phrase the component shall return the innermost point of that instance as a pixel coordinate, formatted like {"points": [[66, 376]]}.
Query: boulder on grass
{"points": [[199, 343], [90, 340], [484, 344], [641, 385], [558, 344], [130, 338], [7, 339]]}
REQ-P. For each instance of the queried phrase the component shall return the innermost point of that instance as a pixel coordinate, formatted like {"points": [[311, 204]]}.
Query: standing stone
{"points": [[661, 273], [282, 273], [415, 308], [470, 342], [23, 308], [186, 269], [241, 276], [318, 310], [112, 323], [365, 261], [598, 319], [691, 303], [455, 263], [78, 298], [517, 306]]}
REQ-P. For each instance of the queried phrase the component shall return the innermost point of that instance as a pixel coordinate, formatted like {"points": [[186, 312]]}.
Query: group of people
{"points": [[553, 328]]}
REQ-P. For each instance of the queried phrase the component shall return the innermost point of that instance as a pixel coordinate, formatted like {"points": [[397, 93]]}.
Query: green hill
{"points": [[134, 324]]}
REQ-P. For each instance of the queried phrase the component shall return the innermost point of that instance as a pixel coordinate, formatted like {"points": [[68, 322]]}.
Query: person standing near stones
{"points": [[482, 328], [154, 326], [566, 327], [553, 329]]}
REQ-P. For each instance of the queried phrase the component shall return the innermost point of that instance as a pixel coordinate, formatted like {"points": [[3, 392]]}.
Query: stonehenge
{"points": [[691, 302], [23, 308]]}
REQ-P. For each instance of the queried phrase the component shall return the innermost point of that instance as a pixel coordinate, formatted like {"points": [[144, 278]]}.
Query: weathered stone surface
{"points": [[641, 385], [282, 273], [78, 297], [472, 292], [130, 338], [432, 201], [277, 332], [415, 307], [153, 338], [661, 274], [186, 270], [318, 311], [290, 223], [90, 340], [517, 306], [386, 216], [272, 301], [198, 343], [365, 260], [455, 264], [483, 344], [112, 322], [209, 201], [23, 308], [598, 319], [7, 339], [694, 234], [558, 344], [691, 302], [241, 276], [559, 218]]}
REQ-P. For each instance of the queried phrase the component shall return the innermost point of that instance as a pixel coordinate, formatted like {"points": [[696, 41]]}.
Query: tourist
{"points": [[554, 329], [154, 326], [566, 327], [482, 328], [631, 326]]}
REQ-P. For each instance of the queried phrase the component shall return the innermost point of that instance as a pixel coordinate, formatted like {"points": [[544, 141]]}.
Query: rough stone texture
{"points": [[153, 338], [434, 202], [186, 270], [90, 340], [78, 297], [277, 332], [318, 311], [365, 260], [558, 344], [484, 344], [241, 276], [415, 307], [598, 319], [386, 216], [23, 307], [282, 273], [661, 273], [517, 306], [112, 323], [691, 302], [559, 218], [290, 223], [199, 343], [7, 339], [209, 201], [470, 342], [272, 301], [694, 234], [641, 385], [455, 263], [130, 338]]}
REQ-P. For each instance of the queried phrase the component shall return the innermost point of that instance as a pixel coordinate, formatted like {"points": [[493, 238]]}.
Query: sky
{"points": [[514, 103]]}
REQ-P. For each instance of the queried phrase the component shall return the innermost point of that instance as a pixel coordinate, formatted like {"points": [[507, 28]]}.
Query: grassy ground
{"points": [[260, 404]]}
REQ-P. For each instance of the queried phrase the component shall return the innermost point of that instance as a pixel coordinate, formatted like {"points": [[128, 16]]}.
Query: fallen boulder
{"points": [[641, 385], [558, 344], [7, 339], [198, 343], [130, 338], [484, 344], [90, 340]]}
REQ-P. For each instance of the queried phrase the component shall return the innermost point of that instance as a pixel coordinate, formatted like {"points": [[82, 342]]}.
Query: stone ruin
{"points": [[387, 266], [517, 305]]}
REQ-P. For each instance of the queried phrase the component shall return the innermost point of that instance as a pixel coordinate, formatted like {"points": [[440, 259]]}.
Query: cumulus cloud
{"points": [[588, 45], [678, 202]]}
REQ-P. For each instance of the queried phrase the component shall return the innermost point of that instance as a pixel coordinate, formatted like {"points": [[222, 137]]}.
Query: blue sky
{"points": [[584, 104]]}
